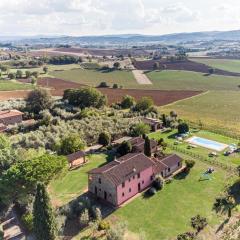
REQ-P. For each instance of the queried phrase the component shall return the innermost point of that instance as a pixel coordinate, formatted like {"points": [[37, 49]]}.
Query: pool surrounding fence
{"points": [[206, 143]]}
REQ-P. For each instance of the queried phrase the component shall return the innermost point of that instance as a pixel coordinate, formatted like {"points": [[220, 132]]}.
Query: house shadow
{"points": [[182, 175], [72, 225]]}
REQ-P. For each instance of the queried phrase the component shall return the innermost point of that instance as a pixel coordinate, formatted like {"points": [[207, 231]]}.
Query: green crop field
{"points": [[9, 85], [95, 77], [224, 64], [184, 80], [219, 110]]}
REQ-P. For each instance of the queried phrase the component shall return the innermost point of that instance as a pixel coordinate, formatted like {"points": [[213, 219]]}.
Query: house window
{"points": [[142, 182], [129, 179], [100, 189], [123, 194], [133, 177], [178, 164], [130, 189], [123, 184], [99, 180], [138, 175], [169, 169], [151, 178]]}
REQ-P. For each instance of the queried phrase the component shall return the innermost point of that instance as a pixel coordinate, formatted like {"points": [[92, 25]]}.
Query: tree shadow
{"points": [[221, 226], [72, 225]]}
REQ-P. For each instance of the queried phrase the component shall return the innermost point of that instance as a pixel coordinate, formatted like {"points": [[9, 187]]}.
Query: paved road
{"points": [[141, 78]]}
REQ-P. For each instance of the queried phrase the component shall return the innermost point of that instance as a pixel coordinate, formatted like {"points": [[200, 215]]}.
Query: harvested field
{"points": [[159, 97], [182, 65], [115, 95], [102, 52]]}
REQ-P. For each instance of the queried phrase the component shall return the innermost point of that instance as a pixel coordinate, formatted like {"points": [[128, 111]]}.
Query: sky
{"points": [[100, 17]]}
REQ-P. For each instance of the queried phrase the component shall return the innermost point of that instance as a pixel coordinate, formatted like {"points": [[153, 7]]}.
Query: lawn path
{"points": [[141, 78]]}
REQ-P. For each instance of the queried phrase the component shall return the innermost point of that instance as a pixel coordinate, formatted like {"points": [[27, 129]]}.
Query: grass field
{"points": [[95, 77], [216, 109], [168, 213], [224, 64], [74, 183], [184, 80], [9, 85]]}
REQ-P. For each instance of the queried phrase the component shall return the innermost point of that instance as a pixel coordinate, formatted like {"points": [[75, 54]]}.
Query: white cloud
{"points": [[18, 17]]}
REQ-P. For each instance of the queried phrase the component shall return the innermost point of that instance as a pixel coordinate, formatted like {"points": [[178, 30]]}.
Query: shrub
{"points": [[103, 225], [127, 102], [84, 218], [198, 223], [38, 100], [104, 138], [124, 148], [152, 191], [117, 231], [183, 128], [27, 220], [103, 85], [190, 163], [115, 85], [186, 236], [1, 234], [169, 180], [158, 183], [144, 104], [140, 129]]}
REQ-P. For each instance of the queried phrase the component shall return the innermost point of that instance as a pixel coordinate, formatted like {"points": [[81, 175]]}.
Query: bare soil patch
{"points": [[185, 65], [57, 86]]}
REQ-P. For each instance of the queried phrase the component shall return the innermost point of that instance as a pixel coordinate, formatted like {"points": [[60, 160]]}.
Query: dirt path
{"points": [[141, 78]]}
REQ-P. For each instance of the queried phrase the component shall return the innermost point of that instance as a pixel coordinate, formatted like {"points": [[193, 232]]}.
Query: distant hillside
{"points": [[127, 38]]}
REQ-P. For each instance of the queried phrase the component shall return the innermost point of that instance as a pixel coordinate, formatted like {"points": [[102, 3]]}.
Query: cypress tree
{"points": [[147, 147], [43, 217]]}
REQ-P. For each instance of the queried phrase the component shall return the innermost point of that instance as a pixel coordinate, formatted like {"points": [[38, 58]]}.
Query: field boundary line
{"points": [[198, 95]]}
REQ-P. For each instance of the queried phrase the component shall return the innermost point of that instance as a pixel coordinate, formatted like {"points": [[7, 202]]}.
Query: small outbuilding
{"points": [[76, 159], [154, 124]]}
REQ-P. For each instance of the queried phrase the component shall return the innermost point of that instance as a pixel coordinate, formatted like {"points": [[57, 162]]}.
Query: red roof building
{"points": [[121, 179]]}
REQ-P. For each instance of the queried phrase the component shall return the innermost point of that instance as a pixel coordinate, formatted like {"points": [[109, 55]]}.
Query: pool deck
{"points": [[219, 146]]}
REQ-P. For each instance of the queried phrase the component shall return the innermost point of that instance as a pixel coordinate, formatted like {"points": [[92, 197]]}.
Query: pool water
{"points": [[210, 144]]}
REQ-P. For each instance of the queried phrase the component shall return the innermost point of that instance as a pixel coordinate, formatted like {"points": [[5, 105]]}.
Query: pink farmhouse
{"points": [[121, 179]]}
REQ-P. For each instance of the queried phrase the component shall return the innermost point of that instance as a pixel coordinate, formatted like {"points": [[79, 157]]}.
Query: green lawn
{"points": [[10, 85], [168, 213], [233, 160], [217, 109], [224, 64], [95, 77], [184, 80], [74, 183]]}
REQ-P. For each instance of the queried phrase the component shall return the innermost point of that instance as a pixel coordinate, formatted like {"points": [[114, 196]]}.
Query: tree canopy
{"points": [[38, 100], [140, 129], [144, 104], [22, 177], [44, 223], [85, 97], [71, 144]]}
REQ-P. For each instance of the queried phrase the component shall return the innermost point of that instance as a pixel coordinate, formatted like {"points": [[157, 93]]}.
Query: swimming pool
{"points": [[210, 144]]}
